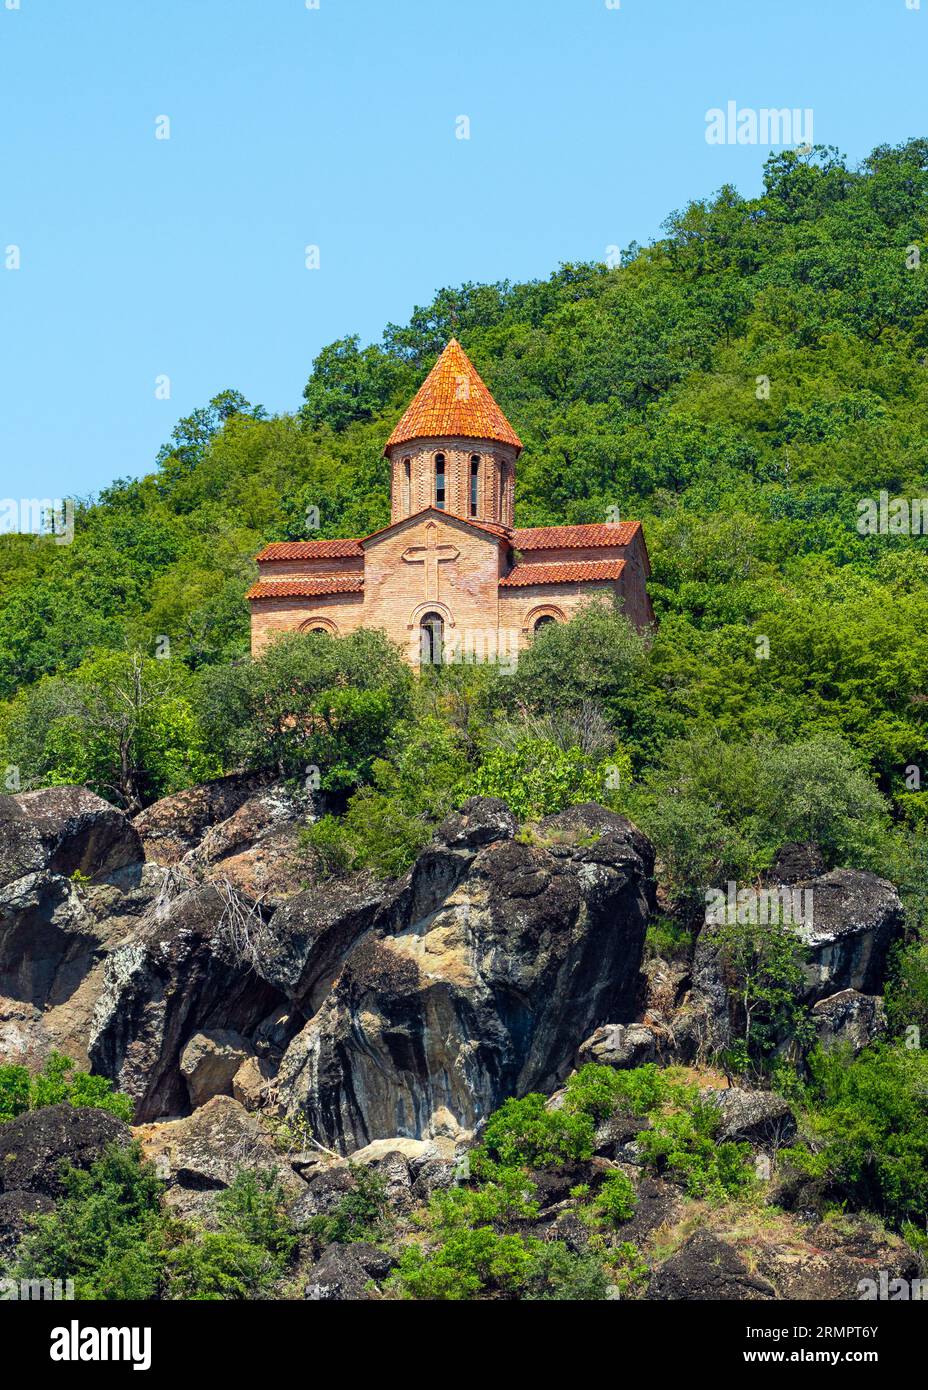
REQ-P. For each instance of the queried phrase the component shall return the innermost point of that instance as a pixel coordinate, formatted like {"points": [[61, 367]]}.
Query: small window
{"points": [[407, 484], [440, 481], [474, 482], [431, 636], [543, 621]]}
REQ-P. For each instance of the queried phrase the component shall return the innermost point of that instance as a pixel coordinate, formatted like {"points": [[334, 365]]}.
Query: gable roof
{"points": [[453, 400], [498, 533], [308, 550], [570, 537], [307, 586], [562, 572]]}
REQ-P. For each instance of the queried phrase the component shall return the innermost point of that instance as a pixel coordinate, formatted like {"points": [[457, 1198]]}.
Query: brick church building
{"points": [[451, 577]]}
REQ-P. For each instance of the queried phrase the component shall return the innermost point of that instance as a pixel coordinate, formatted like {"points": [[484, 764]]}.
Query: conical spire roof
{"points": [[453, 400]]}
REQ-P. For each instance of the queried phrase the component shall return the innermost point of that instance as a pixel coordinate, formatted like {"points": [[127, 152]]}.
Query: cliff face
{"points": [[374, 1010]]}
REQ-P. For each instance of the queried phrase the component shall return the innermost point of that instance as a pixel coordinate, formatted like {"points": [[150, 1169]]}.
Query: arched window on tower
{"points": [[407, 485], [474, 483], [431, 636], [440, 481]]}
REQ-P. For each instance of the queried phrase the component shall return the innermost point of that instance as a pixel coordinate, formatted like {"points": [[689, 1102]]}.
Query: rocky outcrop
{"points": [[176, 824], [475, 980], [851, 920], [347, 1272], [40, 1144], [64, 830], [205, 1151], [706, 1268], [849, 1019], [176, 976]]}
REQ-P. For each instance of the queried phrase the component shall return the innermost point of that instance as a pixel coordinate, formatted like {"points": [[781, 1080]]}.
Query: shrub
{"points": [[524, 1132], [362, 1214], [868, 1123], [57, 1082], [107, 1232], [248, 1252], [615, 1201]]}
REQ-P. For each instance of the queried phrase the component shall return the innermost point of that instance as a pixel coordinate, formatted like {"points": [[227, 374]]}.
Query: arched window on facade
{"points": [[440, 481], [543, 622], [474, 483], [431, 634]]}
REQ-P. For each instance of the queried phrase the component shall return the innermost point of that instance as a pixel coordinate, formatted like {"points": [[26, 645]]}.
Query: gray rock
{"points": [[205, 1150], [347, 1272], [619, 1045], [210, 1061], [759, 1117], [705, 1268], [38, 1145], [62, 830], [458, 996], [849, 1019]]}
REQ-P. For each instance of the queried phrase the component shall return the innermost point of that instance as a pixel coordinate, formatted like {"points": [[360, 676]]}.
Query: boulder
{"points": [[38, 1145], [345, 1272], [204, 1151], [64, 830], [619, 1045], [473, 979], [210, 1061], [173, 826], [48, 940], [250, 1083], [856, 917], [849, 1018], [758, 1117], [706, 1268]]}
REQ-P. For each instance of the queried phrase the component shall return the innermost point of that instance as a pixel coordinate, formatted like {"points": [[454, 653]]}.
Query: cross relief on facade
{"points": [[430, 556]]}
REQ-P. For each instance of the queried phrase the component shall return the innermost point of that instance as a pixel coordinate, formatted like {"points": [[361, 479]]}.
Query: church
{"points": [[451, 578]]}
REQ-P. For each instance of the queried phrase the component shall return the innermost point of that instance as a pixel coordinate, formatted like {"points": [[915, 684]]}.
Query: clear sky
{"points": [[337, 126]]}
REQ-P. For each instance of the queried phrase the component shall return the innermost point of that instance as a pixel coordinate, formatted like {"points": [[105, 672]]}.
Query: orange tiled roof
{"points": [[562, 572], [308, 550], [567, 537], [307, 586], [453, 400]]}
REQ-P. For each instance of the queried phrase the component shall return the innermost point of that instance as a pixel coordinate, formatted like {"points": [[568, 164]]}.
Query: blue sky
{"points": [[336, 127]]}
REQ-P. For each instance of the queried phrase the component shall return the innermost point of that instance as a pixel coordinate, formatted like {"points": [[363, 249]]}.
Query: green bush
{"points": [[537, 778], [107, 1233], [867, 1121], [248, 1252], [615, 1201], [58, 1081], [523, 1132], [362, 1214]]}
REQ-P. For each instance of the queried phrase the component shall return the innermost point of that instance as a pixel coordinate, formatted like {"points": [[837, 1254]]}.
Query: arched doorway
{"points": [[431, 639]]}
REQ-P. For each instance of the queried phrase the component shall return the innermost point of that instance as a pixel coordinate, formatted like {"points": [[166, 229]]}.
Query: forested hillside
{"points": [[741, 387], [738, 386]]}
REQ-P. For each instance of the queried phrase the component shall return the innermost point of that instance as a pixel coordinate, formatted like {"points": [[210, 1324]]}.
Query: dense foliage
{"points": [[742, 387]]}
